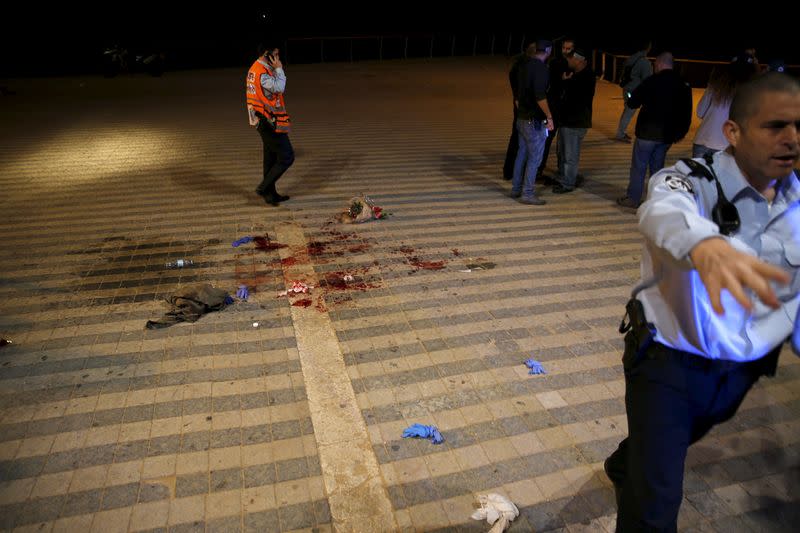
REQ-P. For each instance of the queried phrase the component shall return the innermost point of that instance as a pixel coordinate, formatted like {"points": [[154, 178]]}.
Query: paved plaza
{"points": [[286, 413]]}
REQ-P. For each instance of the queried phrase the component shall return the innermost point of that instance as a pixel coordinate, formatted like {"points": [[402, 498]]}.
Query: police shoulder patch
{"points": [[679, 183]]}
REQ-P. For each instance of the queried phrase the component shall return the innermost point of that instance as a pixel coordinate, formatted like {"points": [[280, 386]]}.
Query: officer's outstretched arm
{"points": [[722, 267], [671, 220]]}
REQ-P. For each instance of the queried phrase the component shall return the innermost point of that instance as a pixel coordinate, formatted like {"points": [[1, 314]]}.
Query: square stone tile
{"points": [[149, 515], [113, 521], [221, 504], [185, 510]]}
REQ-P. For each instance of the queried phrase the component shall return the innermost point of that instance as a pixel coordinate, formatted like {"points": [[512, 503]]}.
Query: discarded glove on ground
{"points": [[362, 209], [535, 367], [243, 240], [424, 432], [191, 302], [242, 293], [497, 510]]}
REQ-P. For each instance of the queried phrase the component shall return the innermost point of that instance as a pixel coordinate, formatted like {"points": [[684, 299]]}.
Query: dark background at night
{"points": [[62, 40]]}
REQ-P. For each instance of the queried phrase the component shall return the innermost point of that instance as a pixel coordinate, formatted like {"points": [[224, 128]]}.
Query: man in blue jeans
{"points": [[576, 118], [534, 122], [666, 102]]}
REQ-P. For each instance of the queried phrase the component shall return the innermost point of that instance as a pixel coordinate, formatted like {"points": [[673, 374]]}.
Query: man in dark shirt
{"points": [[513, 80], [666, 102], [558, 67], [534, 123], [575, 118]]}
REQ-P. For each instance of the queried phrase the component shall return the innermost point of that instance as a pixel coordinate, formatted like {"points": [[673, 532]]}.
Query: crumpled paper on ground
{"points": [[298, 287], [497, 510]]}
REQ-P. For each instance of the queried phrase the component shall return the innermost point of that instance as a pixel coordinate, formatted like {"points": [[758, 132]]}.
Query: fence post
{"points": [[405, 50], [453, 46], [475, 45], [613, 68], [380, 49]]}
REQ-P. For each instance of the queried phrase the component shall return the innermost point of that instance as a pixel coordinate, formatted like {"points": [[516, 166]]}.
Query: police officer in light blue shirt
{"points": [[718, 299]]}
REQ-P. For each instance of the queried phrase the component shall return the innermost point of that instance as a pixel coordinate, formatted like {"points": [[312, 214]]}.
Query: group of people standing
{"points": [[550, 100]]}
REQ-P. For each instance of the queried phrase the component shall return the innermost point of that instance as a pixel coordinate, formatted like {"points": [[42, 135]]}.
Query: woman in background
{"points": [[716, 102]]}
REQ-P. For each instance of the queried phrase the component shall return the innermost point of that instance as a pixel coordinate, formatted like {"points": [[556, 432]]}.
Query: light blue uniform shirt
{"points": [[273, 84], [677, 216]]}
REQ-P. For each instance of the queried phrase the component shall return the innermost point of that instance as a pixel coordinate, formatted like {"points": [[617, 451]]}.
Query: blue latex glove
{"points": [[243, 240], [796, 334], [228, 299], [242, 293], [425, 432], [535, 367]]}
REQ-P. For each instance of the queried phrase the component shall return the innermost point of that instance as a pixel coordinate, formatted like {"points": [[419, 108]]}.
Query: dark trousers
{"points": [[672, 399], [278, 157], [511, 151]]}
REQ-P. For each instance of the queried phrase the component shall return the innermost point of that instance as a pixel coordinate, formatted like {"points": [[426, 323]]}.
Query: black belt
{"points": [[763, 365]]}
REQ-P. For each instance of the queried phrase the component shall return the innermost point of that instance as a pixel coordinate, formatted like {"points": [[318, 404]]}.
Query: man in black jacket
{"points": [[575, 118], [555, 93], [518, 62], [666, 102]]}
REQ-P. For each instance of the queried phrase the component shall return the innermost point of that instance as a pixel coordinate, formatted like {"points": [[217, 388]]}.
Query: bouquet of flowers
{"points": [[362, 209]]}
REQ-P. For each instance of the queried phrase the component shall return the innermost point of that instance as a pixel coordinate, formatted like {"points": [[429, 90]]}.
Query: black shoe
{"points": [[280, 197], [624, 201], [617, 485], [579, 180], [532, 200], [270, 200], [515, 194], [560, 189], [546, 180]]}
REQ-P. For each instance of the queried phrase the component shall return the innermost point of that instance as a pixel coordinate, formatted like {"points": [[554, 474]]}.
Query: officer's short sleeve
{"points": [[671, 218]]}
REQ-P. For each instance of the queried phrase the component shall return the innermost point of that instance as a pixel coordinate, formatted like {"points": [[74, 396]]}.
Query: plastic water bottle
{"points": [[180, 263]]}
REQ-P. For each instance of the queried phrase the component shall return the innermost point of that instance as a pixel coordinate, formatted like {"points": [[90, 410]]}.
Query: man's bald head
{"points": [[664, 61]]}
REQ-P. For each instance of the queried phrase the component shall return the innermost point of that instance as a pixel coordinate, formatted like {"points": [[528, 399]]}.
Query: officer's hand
{"points": [[275, 61], [723, 267]]}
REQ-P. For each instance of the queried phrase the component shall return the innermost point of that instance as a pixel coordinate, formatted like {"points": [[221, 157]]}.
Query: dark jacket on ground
{"points": [[576, 104], [666, 102]]}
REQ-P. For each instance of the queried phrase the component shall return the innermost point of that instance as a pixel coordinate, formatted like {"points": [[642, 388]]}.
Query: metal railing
{"points": [[323, 49], [400, 46]]}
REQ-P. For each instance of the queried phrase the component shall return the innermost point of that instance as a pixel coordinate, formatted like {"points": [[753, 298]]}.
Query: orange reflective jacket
{"points": [[270, 105]]}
